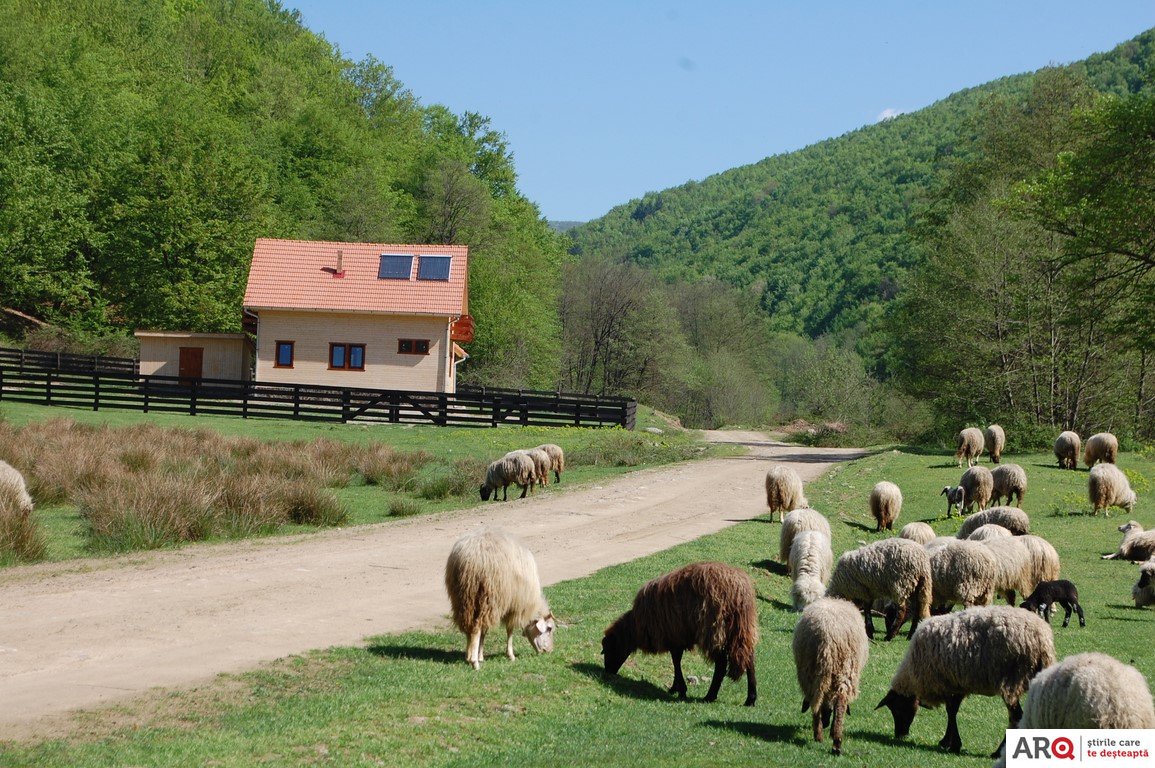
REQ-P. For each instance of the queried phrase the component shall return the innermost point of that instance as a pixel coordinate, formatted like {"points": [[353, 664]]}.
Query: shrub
{"points": [[404, 508], [21, 538], [459, 480], [147, 511]]}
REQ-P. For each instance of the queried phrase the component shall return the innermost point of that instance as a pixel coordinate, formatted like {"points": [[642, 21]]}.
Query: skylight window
{"points": [[395, 267], [433, 268]]}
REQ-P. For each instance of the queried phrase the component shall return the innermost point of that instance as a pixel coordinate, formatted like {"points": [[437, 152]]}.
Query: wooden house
{"points": [[195, 355]]}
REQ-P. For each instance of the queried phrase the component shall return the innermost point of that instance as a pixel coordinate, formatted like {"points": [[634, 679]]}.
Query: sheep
{"points": [[1013, 519], [811, 559], [989, 651], [970, 446], [492, 578], [784, 491], [1016, 567], [885, 504], [995, 439], [1010, 481], [988, 531], [710, 606], [12, 484], [897, 569], [1143, 593], [1067, 446], [556, 459], [515, 467], [541, 465], [975, 487], [1137, 544], [1047, 593], [1101, 447], [830, 652], [1044, 558], [918, 532], [962, 572], [1108, 487], [799, 520]]}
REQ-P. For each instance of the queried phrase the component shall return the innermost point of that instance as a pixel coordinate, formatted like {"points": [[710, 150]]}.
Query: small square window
{"points": [[433, 268], [413, 346], [395, 267], [284, 358]]}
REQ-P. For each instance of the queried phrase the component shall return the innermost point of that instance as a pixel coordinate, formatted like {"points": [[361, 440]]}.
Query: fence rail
{"points": [[27, 359], [29, 382]]}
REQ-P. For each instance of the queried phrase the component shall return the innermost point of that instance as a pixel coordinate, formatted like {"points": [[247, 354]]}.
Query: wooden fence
{"points": [[29, 382]]}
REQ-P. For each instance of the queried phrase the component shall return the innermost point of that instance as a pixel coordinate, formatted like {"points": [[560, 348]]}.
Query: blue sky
{"points": [[603, 101]]}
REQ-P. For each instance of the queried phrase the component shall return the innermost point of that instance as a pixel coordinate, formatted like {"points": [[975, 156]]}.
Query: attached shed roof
{"points": [[305, 275]]}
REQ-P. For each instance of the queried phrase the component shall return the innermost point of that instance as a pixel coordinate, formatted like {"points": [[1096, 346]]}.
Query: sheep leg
{"points": [[869, 621], [816, 725], [1079, 610], [716, 683], [524, 489], [837, 723], [679, 686], [557, 475], [751, 687], [509, 646], [952, 742], [471, 649], [504, 493]]}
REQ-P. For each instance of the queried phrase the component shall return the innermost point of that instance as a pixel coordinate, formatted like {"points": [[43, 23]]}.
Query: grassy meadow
{"points": [[410, 699]]}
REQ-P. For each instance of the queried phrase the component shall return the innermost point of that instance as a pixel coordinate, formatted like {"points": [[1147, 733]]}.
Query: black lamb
{"points": [[1047, 593]]}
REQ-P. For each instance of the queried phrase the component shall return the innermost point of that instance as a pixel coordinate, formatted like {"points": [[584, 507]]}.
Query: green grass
{"points": [[410, 699]]}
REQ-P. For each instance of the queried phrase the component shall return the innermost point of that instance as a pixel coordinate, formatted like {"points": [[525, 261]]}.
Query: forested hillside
{"points": [[145, 145]]}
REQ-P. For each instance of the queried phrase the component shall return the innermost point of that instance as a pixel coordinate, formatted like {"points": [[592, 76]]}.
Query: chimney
{"points": [[340, 271]]}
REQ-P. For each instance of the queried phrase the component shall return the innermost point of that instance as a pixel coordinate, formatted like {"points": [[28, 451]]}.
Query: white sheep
{"points": [[970, 446], [1108, 487], [784, 491], [974, 487], [1143, 593], [1044, 559], [1102, 446], [556, 459], [1016, 567], [995, 439], [918, 532], [12, 484], [962, 573], [830, 652], [1137, 544], [885, 504], [515, 467], [895, 569], [989, 651], [1013, 519], [541, 465], [491, 578], [1010, 482], [988, 531], [810, 562], [1067, 446], [800, 520]]}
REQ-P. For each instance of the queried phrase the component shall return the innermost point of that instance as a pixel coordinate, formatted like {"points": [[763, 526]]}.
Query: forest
{"points": [[986, 258]]}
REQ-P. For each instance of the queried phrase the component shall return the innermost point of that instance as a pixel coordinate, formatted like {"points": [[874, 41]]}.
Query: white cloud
{"points": [[887, 113]]}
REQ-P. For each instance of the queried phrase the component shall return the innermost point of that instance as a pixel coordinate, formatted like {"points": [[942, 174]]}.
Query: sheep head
{"points": [[1128, 527], [619, 642], [902, 709], [486, 492], [539, 632]]}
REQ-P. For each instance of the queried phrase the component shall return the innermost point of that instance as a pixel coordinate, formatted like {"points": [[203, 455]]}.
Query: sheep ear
{"points": [[886, 700], [945, 488]]}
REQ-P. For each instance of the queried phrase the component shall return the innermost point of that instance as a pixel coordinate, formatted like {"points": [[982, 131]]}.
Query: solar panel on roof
{"points": [[395, 267], [433, 267]]}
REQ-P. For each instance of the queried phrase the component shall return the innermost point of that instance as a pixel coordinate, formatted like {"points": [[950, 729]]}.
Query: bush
{"points": [[21, 538], [404, 508], [460, 480]]}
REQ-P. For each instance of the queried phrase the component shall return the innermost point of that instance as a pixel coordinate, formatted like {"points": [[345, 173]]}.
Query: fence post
{"points": [[192, 403], [22, 353], [524, 407], [245, 399], [147, 387], [346, 402], [1, 382], [59, 364], [48, 387], [394, 407], [296, 401], [95, 391], [444, 408]]}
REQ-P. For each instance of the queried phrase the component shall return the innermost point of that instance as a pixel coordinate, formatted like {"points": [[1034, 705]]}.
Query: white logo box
{"points": [[1043, 748]]}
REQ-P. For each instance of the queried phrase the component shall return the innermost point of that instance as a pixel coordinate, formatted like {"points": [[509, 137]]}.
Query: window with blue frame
{"points": [[347, 357], [433, 267], [395, 267], [284, 355]]}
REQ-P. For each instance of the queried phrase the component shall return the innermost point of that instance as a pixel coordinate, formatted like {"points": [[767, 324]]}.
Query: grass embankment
{"points": [[410, 699], [116, 481]]}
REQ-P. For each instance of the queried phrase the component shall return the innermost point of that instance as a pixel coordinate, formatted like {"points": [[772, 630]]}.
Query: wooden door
{"points": [[191, 363]]}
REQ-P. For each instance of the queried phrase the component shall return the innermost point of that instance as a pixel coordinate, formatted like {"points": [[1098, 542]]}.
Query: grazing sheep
{"points": [[970, 446], [919, 532], [1013, 519], [1143, 593], [896, 569], [989, 651], [830, 652], [988, 531], [1016, 567], [541, 465], [1101, 447], [799, 520], [1044, 558], [784, 491], [1137, 544], [709, 606], [1108, 487], [995, 439], [1047, 593], [962, 572], [492, 578], [514, 467], [1089, 690], [1010, 481], [556, 459], [1067, 446], [12, 483], [811, 559], [974, 487], [885, 504]]}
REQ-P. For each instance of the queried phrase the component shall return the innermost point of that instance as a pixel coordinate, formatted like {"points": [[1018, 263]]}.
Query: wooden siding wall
{"points": [[223, 358]]}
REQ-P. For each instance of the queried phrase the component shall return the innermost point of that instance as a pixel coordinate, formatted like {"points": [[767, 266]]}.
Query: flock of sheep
{"points": [[986, 649]]}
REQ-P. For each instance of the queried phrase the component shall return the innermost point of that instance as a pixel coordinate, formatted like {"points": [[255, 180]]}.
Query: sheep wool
{"points": [[13, 487], [970, 446], [1010, 482], [1067, 446], [810, 562], [1108, 487], [515, 467], [918, 532], [962, 572], [1044, 558], [1013, 519], [988, 531], [556, 459], [1016, 567], [896, 569], [1089, 690], [1137, 544], [995, 439], [784, 491], [830, 651], [796, 521], [1101, 447], [541, 465], [492, 578], [885, 504]]}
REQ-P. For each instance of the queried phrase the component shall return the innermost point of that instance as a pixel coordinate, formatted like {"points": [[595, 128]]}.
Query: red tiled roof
{"points": [[301, 274]]}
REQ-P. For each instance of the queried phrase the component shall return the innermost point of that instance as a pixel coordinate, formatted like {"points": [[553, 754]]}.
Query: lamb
{"points": [[1143, 593], [811, 559], [556, 459], [541, 465], [515, 467], [784, 491], [995, 439], [12, 484], [1101, 447], [918, 532], [491, 578], [896, 569], [1010, 481], [1047, 593], [710, 606], [1108, 487], [1013, 519], [1016, 567], [1137, 544], [830, 652], [989, 651], [799, 520], [988, 531], [885, 504], [975, 487], [1067, 446], [970, 446]]}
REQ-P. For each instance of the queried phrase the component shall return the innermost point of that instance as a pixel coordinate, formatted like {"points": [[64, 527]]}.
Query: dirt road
{"points": [[76, 635]]}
